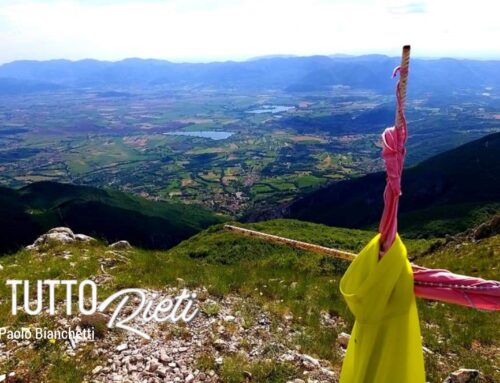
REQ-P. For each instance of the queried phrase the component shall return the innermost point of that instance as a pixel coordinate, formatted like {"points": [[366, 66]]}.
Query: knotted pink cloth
{"points": [[433, 284]]}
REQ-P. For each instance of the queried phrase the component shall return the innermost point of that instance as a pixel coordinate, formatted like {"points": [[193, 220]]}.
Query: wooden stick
{"points": [[405, 65], [293, 243]]}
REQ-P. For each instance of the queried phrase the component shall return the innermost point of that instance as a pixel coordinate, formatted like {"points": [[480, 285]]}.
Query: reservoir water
{"points": [[271, 109], [213, 134]]}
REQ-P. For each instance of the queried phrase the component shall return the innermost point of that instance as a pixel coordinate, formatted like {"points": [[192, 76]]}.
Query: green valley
{"points": [[232, 150]]}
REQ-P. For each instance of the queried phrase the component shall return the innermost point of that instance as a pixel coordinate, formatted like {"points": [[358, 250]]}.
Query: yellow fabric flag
{"points": [[385, 344]]}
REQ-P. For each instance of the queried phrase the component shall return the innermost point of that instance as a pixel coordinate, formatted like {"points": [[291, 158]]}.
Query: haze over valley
{"points": [[226, 150], [233, 136]]}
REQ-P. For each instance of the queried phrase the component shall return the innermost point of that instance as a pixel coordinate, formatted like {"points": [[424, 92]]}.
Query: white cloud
{"points": [[210, 29]]}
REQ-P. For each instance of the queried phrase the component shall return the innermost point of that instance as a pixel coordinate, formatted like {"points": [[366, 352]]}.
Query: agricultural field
{"points": [[231, 151]]}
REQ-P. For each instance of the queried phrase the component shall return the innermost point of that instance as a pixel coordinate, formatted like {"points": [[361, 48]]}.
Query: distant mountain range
{"points": [[29, 212], [445, 194], [289, 73]]}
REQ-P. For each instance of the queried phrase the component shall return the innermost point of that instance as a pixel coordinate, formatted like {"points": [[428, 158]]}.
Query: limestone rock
{"points": [[464, 375], [120, 245], [84, 238], [309, 360], [58, 234], [61, 230], [122, 347], [343, 339], [96, 370], [62, 235], [488, 229]]}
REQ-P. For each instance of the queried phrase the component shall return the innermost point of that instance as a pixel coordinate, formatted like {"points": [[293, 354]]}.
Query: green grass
{"points": [[233, 368], [47, 363], [308, 181], [282, 281], [442, 220]]}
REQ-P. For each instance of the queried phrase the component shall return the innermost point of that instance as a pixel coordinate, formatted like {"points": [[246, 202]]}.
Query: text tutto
{"points": [[167, 309]]}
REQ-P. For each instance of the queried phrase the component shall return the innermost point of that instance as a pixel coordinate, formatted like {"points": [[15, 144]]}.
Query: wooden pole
{"points": [[405, 65], [292, 243]]}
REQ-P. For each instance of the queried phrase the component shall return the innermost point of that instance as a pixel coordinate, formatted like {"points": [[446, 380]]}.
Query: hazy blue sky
{"points": [[202, 30]]}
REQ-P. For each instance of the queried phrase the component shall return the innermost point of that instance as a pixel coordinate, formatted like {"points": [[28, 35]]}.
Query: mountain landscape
{"points": [[126, 172], [236, 137], [268, 312], [445, 194], [313, 73], [28, 212], [442, 195]]}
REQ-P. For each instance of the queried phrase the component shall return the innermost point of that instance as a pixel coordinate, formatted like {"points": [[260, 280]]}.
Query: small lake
{"points": [[213, 134], [272, 109]]}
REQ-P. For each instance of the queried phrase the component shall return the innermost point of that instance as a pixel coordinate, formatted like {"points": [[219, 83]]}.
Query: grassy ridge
{"points": [[284, 281], [110, 215], [445, 194]]}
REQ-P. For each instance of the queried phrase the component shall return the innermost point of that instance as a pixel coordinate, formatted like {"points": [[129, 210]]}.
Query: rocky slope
{"points": [[267, 313]]}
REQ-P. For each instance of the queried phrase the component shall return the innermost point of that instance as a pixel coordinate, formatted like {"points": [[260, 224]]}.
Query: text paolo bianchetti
{"points": [[147, 308]]}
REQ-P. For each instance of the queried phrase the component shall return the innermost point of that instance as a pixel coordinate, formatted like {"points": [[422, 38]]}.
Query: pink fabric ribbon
{"points": [[393, 152], [442, 285], [435, 284]]}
